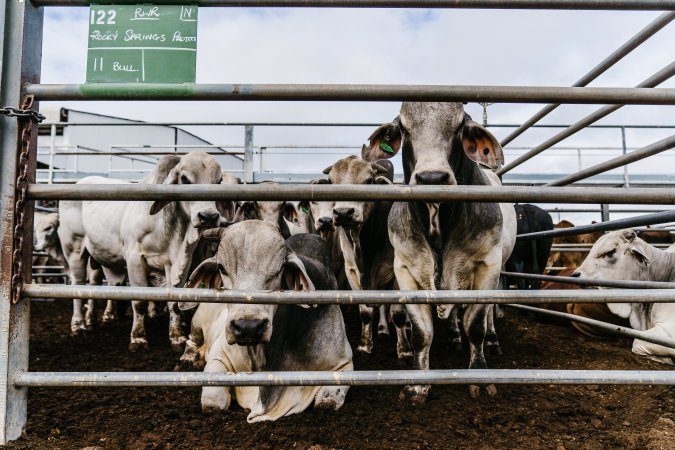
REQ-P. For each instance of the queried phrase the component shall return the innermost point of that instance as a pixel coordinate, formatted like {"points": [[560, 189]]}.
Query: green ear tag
{"points": [[201, 285], [386, 147], [305, 210]]}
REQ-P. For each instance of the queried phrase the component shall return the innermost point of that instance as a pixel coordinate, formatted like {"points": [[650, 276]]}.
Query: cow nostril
{"points": [[325, 221], [432, 177], [210, 217], [249, 330], [343, 213]]}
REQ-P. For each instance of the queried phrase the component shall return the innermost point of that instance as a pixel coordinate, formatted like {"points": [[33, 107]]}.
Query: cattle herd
{"points": [[306, 246]]}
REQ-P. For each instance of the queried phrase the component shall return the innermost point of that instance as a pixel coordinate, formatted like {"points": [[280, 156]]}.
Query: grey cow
{"points": [[364, 242], [252, 255], [452, 245]]}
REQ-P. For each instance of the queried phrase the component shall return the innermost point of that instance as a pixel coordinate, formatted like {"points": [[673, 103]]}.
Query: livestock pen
{"points": [[21, 88]]}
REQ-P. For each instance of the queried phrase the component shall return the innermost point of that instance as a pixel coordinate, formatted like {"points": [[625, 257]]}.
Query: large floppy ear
{"points": [[290, 213], [295, 275], [385, 142], [481, 146], [171, 178], [638, 251], [205, 276]]}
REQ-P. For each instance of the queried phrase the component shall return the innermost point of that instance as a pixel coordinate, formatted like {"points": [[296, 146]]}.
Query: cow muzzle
{"points": [[249, 331], [347, 217], [207, 219], [434, 177], [324, 224]]}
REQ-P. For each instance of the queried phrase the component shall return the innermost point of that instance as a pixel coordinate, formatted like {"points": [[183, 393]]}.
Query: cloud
{"points": [[240, 45]]}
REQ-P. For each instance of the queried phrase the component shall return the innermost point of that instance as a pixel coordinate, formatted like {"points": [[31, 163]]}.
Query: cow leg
{"points": [[476, 323], [95, 279], [114, 279], [401, 322], [137, 270], [491, 340], [366, 313], [330, 397], [215, 398], [78, 276], [152, 310], [455, 334], [176, 335], [382, 325]]}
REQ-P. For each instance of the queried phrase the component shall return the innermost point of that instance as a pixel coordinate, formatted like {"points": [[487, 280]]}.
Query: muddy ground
{"points": [[372, 417]]}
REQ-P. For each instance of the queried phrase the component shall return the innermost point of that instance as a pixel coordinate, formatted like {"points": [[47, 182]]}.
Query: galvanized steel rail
{"points": [[321, 192], [608, 327], [637, 5], [634, 42], [618, 224], [343, 378], [659, 77], [428, 297], [352, 92], [620, 284], [637, 155]]}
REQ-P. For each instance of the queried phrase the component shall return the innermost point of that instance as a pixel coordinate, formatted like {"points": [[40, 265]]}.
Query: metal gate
{"points": [[20, 86]]}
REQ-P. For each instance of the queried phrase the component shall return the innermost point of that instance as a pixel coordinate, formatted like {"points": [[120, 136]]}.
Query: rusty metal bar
{"points": [[69, 292], [656, 79], [620, 284], [621, 5], [320, 192], [633, 43], [637, 155], [604, 326], [353, 92], [647, 219], [343, 378]]}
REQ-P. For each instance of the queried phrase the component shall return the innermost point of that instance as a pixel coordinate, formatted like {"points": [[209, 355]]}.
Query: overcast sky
{"points": [[493, 47]]}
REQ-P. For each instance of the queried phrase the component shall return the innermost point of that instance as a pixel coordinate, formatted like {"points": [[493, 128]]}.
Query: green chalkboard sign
{"points": [[142, 44]]}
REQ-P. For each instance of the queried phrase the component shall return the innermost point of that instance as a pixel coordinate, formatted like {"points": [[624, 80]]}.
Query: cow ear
{"points": [[304, 206], [481, 146], [622, 310], [204, 276], [629, 235], [327, 170], [322, 180], [384, 143], [290, 213], [171, 178], [638, 252], [213, 234], [295, 275]]}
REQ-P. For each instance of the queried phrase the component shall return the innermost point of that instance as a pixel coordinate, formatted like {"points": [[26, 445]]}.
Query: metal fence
{"points": [[22, 22]]}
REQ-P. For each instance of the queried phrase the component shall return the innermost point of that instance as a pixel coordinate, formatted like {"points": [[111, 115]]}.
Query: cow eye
{"points": [[609, 254], [184, 180]]}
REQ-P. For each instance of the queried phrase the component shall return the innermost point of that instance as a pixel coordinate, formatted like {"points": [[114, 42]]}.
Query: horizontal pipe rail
{"points": [[321, 192], [604, 326], [659, 77], [69, 292], [618, 224], [633, 43], [352, 92], [637, 155], [620, 284], [343, 378], [621, 5]]}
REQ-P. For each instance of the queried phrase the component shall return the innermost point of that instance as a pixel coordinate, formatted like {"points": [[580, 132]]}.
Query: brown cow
{"points": [[571, 259]]}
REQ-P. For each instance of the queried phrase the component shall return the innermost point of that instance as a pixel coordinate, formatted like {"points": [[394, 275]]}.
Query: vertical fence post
{"points": [[579, 160], [20, 53], [248, 153], [52, 150], [625, 151], [604, 212]]}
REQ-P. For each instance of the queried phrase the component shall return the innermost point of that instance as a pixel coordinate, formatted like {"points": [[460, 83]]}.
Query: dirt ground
{"points": [[552, 417]]}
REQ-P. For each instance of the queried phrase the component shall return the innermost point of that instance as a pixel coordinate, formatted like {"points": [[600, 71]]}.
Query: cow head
{"points": [[618, 255], [355, 170], [438, 140], [252, 256], [46, 233], [194, 168], [319, 214], [272, 212]]}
